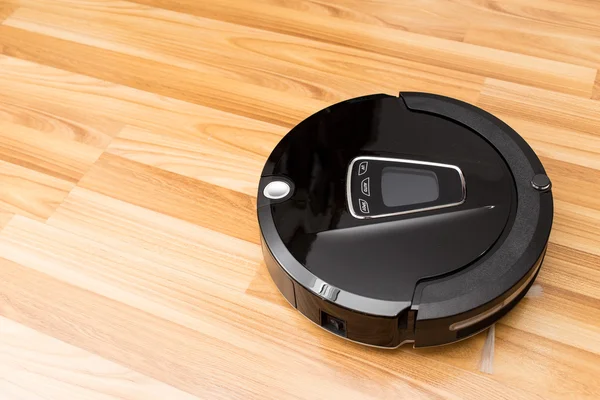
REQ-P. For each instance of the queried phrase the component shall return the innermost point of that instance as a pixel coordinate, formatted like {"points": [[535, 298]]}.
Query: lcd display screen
{"points": [[402, 186]]}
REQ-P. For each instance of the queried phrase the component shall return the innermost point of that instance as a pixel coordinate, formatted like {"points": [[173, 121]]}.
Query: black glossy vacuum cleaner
{"points": [[412, 219]]}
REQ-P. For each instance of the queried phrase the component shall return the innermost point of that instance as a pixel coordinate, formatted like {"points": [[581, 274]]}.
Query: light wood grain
{"points": [[219, 133], [572, 270], [278, 17], [550, 42], [553, 141], [31, 193], [55, 120], [29, 356], [577, 227], [532, 29], [201, 252], [289, 63], [243, 98], [524, 359], [6, 8], [555, 109], [190, 157], [132, 135], [174, 195], [64, 159], [560, 13], [4, 218]]}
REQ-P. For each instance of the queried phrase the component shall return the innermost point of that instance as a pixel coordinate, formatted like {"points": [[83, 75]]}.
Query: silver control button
{"points": [[276, 190], [362, 168], [365, 186], [364, 206]]}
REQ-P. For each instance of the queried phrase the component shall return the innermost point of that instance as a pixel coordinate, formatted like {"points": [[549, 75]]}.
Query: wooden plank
{"points": [[214, 257], [174, 195], [223, 138], [516, 364], [230, 51], [176, 353], [40, 86], [464, 57], [542, 106], [63, 371], [554, 141], [55, 120], [6, 9], [181, 357], [402, 16], [442, 19], [424, 18], [556, 30], [576, 227], [63, 159], [572, 270], [108, 27], [596, 90], [557, 316], [501, 25], [4, 218], [194, 282], [164, 79], [551, 42], [198, 158], [565, 175], [569, 149], [522, 358], [30, 193], [582, 14]]}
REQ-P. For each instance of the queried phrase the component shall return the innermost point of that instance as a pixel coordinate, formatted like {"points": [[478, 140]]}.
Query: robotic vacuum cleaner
{"points": [[412, 219]]}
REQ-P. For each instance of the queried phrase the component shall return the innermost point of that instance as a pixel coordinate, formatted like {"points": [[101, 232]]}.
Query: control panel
{"points": [[382, 187]]}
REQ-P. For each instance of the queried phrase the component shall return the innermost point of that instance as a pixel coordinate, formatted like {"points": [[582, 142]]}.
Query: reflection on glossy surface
{"points": [[389, 255]]}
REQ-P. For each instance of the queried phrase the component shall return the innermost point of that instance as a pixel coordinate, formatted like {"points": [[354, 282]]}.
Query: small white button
{"points": [[276, 190]]}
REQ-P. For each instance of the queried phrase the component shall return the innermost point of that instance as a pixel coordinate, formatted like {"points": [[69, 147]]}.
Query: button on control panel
{"points": [[364, 206], [362, 168], [365, 186], [364, 182]]}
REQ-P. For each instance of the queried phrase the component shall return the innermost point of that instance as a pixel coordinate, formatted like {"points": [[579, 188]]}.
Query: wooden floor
{"points": [[132, 135]]}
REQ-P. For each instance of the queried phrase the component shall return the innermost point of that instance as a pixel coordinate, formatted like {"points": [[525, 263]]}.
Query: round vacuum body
{"points": [[412, 219]]}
